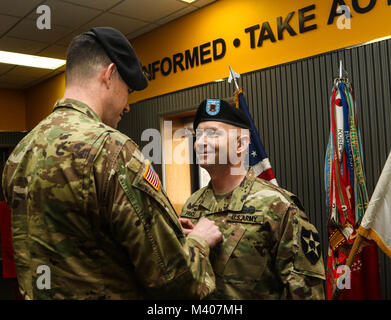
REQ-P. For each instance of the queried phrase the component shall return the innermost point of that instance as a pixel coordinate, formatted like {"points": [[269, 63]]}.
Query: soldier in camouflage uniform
{"points": [[86, 204], [270, 249]]}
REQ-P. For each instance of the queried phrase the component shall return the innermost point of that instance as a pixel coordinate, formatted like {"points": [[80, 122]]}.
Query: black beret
{"points": [[222, 111], [122, 54]]}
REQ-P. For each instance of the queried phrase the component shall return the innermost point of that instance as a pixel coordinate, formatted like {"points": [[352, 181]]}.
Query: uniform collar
{"points": [[77, 105], [208, 200]]}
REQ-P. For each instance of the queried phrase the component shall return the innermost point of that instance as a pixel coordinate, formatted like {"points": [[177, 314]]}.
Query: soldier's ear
{"points": [[243, 143], [107, 74]]}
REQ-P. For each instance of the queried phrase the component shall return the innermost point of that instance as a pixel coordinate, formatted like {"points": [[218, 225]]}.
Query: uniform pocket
{"points": [[241, 258], [223, 252]]}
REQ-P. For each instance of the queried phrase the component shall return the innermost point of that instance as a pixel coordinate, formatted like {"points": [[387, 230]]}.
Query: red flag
{"points": [[9, 270], [364, 272]]}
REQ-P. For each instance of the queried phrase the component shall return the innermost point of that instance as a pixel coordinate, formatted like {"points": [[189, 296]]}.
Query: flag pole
{"points": [[340, 69], [352, 254]]}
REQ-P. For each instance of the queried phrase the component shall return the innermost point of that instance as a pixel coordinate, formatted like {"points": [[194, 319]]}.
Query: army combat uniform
{"points": [[88, 206], [270, 249]]}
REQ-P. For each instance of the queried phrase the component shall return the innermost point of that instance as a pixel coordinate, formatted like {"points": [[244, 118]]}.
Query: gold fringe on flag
{"points": [[237, 97]]}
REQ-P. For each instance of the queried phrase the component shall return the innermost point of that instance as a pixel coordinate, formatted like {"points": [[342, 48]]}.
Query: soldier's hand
{"points": [[187, 225], [209, 231]]}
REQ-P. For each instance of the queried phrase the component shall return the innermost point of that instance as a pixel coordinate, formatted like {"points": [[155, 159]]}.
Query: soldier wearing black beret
{"points": [[122, 55], [230, 127], [221, 111], [270, 248], [98, 218]]}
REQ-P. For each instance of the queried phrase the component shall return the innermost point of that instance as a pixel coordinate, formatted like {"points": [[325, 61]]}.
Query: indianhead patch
{"points": [[152, 177], [212, 106], [310, 244]]}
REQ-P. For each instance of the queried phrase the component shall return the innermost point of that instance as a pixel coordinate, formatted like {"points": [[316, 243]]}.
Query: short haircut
{"points": [[84, 58]]}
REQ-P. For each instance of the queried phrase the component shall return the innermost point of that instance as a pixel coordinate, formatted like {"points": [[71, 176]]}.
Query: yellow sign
{"points": [[251, 35]]}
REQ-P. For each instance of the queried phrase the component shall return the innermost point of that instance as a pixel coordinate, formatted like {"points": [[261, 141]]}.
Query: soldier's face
{"points": [[215, 141], [117, 104]]}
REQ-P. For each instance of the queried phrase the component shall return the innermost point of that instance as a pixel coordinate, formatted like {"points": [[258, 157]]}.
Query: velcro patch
{"points": [[310, 244], [245, 218], [151, 176], [191, 214]]}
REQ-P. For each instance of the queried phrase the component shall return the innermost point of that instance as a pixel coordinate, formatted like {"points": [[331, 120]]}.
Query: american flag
{"points": [[258, 158], [151, 176]]}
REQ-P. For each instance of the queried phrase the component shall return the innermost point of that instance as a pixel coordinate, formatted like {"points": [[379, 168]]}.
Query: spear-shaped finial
{"points": [[233, 76]]}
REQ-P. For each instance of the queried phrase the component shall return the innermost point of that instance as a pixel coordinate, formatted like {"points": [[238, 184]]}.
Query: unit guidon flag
{"points": [[347, 198]]}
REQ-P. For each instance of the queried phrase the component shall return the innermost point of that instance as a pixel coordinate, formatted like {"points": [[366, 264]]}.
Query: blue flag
{"points": [[258, 158]]}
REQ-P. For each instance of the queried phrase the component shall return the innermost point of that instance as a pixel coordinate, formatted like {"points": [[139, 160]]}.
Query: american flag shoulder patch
{"points": [[152, 177]]}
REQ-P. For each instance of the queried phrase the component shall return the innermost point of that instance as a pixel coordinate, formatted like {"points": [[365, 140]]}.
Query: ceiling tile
{"points": [[148, 10], [65, 41], [5, 67], [176, 15], [97, 4], [67, 15], [27, 29], [26, 72], [202, 3], [141, 31], [22, 77], [18, 8], [6, 22], [21, 45], [123, 24], [54, 51], [70, 18]]}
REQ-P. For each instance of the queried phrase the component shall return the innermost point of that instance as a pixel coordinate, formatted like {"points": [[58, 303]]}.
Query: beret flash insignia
{"points": [[212, 107]]}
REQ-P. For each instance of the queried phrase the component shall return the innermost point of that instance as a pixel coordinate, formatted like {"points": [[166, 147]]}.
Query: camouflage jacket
{"points": [[270, 249], [87, 205]]}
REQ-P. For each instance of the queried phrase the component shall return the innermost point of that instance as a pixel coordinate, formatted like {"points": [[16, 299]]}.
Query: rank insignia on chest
{"points": [[250, 209], [311, 245], [152, 177]]}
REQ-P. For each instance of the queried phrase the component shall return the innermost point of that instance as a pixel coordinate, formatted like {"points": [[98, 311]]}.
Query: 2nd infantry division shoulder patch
{"points": [[310, 244], [152, 177]]}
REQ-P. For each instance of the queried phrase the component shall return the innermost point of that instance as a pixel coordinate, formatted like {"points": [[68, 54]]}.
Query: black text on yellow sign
{"points": [[256, 35]]}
